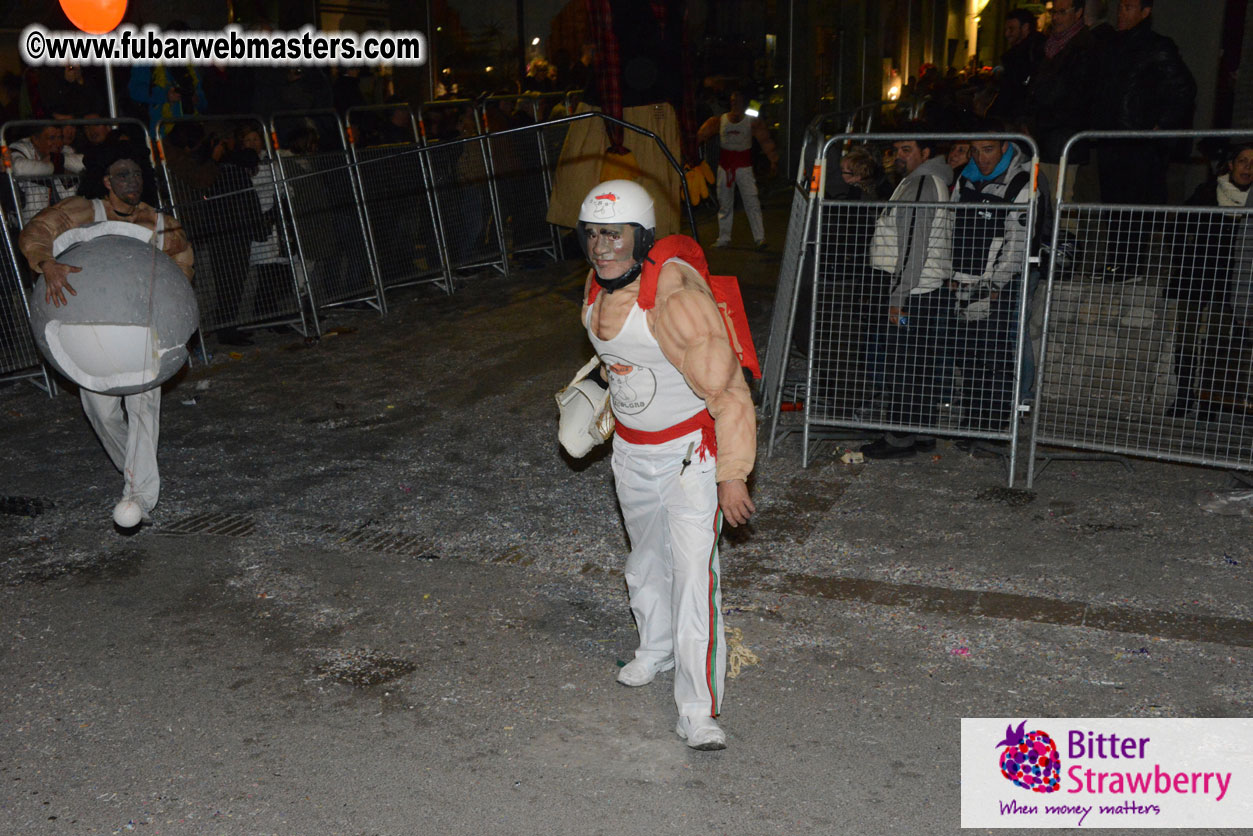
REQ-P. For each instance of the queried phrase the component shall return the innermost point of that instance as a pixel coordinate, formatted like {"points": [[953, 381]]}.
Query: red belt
{"points": [[732, 160], [702, 421]]}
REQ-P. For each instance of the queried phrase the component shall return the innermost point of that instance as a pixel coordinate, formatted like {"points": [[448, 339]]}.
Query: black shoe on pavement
{"points": [[233, 336]]}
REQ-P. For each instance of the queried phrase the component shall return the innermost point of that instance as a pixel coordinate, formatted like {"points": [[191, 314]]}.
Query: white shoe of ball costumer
{"points": [[128, 513], [639, 672], [701, 732]]}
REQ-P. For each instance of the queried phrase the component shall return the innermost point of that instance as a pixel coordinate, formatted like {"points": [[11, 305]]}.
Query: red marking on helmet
{"points": [[606, 196]]}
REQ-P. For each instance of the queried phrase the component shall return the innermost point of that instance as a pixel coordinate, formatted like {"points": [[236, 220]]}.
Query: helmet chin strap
{"points": [[610, 285]]}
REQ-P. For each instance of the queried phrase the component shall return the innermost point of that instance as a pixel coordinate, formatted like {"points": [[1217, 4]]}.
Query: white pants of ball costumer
{"points": [[130, 439], [747, 184], [673, 574]]}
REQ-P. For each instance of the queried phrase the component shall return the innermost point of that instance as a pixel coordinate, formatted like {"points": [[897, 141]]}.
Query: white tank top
{"points": [[736, 136], [647, 392], [158, 234]]}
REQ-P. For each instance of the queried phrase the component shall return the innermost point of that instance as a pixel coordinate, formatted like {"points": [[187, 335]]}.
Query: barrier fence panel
{"points": [[1148, 326], [917, 305], [19, 358], [797, 252], [223, 187], [399, 204], [323, 196], [781, 372], [517, 167], [465, 200]]}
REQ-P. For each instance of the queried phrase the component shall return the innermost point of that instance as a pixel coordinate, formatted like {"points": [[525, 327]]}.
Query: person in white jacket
{"points": [[46, 170], [913, 245]]}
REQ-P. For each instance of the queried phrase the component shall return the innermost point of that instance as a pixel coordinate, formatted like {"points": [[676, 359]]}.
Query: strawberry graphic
{"points": [[1030, 759]]}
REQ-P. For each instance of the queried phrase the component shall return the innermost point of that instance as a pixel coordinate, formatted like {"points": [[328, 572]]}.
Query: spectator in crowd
{"points": [[736, 131], [346, 89], [861, 181], [1145, 86], [94, 135], [1058, 93], [912, 247], [958, 156], [270, 268], [1213, 264], [168, 91], [233, 221], [117, 185], [46, 170], [1018, 65], [988, 250]]}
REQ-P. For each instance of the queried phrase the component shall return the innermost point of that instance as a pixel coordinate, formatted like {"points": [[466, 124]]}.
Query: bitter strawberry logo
{"points": [[1030, 759]]}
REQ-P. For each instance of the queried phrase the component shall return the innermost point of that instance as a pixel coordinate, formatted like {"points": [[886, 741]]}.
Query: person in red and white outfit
{"points": [[736, 131], [684, 445]]}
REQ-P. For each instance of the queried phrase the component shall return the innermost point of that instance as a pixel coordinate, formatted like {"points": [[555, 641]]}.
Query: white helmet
{"points": [[619, 202]]}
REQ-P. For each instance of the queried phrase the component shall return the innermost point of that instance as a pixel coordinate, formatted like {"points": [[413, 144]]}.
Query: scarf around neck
{"points": [[1231, 195], [1057, 40]]}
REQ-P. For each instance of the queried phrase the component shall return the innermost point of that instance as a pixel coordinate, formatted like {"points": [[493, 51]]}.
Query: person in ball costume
{"points": [[684, 445], [117, 185]]}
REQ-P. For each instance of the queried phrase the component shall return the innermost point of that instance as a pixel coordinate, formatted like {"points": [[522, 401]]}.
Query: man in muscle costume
{"points": [[113, 188], [684, 446]]}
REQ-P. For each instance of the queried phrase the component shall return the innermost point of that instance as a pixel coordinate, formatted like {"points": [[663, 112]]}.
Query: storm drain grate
{"points": [[378, 540], [220, 524]]}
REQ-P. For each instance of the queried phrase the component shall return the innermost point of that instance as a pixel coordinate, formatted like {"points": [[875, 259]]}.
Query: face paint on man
{"points": [[611, 249], [125, 181]]}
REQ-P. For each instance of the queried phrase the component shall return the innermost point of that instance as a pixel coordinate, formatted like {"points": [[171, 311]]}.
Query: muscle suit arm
{"points": [[36, 239], [690, 332]]}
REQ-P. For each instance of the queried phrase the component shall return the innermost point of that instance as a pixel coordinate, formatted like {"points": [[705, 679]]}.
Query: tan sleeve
{"points": [[712, 125], [36, 239], [177, 247], [691, 334]]}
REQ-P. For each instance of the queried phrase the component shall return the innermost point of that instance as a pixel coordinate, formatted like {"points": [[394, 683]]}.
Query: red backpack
{"points": [[725, 289]]}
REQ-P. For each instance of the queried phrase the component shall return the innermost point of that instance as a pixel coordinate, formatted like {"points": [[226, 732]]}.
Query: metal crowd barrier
{"points": [[465, 195], [798, 248], [1146, 343], [19, 358], [323, 196], [952, 364], [399, 203], [232, 215], [518, 168]]}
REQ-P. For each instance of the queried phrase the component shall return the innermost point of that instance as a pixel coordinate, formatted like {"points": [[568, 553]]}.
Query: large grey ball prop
{"points": [[126, 329]]}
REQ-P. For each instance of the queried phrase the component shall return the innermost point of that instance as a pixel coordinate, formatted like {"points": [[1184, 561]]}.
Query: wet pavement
{"points": [[377, 599]]}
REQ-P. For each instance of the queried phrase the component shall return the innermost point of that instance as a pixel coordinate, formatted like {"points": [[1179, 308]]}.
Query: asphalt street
{"points": [[377, 599]]}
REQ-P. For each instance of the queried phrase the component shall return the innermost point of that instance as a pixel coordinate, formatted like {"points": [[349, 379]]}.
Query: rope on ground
{"points": [[738, 656]]}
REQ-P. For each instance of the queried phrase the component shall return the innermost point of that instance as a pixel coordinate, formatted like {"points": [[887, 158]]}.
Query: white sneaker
{"points": [[701, 732], [129, 513], [721, 245], [639, 672]]}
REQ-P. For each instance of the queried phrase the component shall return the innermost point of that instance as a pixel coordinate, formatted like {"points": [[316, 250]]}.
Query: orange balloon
{"points": [[94, 16]]}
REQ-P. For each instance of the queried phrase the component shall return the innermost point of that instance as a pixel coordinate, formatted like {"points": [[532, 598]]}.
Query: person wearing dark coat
{"points": [[1058, 95], [1145, 87], [1018, 66], [1213, 268]]}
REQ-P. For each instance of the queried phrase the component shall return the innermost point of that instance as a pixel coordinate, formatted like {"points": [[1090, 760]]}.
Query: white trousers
{"points": [[130, 439], [672, 574], [747, 184]]}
